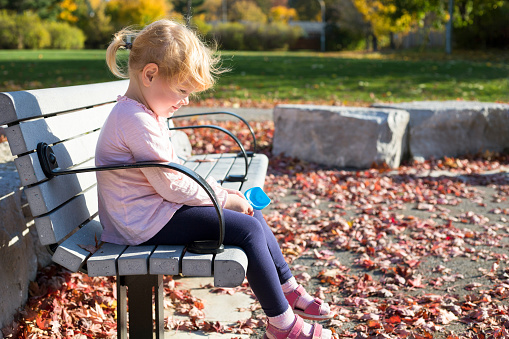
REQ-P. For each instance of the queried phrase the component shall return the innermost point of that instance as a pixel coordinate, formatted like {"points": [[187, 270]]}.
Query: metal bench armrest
{"points": [[234, 178], [50, 168], [223, 112]]}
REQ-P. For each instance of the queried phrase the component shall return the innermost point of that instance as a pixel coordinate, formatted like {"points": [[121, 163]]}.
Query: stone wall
{"points": [[454, 128], [340, 136], [387, 132], [20, 251]]}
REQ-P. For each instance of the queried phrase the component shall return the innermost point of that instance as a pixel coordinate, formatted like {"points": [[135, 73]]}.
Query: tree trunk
{"points": [[448, 32], [188, 15]]}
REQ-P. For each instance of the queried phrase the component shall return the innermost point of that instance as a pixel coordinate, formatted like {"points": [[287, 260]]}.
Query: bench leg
{"points": [[159, 307], [140, 290], [121, 308]]}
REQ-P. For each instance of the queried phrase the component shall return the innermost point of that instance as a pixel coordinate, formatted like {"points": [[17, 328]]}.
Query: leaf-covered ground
{"points": [[415, 252]]}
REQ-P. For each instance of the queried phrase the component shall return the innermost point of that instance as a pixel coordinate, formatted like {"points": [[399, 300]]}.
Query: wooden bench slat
{"points": [[104, 261], [70, 254], [25, 136], [165, 260], [203, 168], [55, 226], [50, 194], [230, 267], [68, 153], [238, 168], [256, 172], [194, 161], [35, 103], [222, 166], [197, 265], [134, 260]]}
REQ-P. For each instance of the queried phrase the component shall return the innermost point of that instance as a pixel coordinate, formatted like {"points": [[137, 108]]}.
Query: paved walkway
{"points": [[250, 114], [223, 308]]}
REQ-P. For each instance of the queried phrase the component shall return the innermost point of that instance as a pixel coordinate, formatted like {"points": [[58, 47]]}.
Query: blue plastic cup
{"points": [[257, 198]]}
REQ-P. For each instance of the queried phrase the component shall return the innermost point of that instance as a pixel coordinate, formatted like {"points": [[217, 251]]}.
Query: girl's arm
{"points": [[147, 139]]}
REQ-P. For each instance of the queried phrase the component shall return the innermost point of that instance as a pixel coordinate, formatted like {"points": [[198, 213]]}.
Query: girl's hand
{"points": [[232, 191], [239, 204]]}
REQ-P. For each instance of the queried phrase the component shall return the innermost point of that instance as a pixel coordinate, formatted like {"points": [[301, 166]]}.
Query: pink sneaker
{"points": [[295, 332], [314, 311]]}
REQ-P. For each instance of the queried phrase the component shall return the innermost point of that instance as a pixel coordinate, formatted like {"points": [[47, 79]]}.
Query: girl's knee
{"points": [[244, 229]]}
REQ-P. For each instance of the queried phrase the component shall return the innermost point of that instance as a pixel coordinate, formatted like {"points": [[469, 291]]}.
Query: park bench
{"points": [[53, 132]]}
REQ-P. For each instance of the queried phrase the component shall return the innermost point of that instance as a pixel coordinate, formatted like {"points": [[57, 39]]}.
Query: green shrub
{"points": [[256, 36], [489, 30], [339, 39], [32, 33], [273, 36], [201, 26], [27, 30], [64, 36], [230, 35], [278, 35], [8, 36]]}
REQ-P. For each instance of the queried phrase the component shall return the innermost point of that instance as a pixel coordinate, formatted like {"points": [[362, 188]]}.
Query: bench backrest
{"points": [[69, 120]]}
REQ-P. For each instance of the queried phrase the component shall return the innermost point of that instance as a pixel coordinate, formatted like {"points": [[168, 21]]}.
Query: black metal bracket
{"points": [[50, 168], [47, 159]]}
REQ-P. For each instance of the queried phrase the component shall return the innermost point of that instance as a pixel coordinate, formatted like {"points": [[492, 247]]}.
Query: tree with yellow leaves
{"points": [[211, 10], [378, 16], [386, 17], [67, 11], [245, 10], [137, 12], [283, 14]]}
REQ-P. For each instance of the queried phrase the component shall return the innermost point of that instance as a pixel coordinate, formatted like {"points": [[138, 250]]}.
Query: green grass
{"points": [[269, 77], [366, 78], [30, 69]]}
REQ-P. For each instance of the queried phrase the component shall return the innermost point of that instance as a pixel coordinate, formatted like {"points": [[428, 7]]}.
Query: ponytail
{"points": [[121, 40], [179, 53]]}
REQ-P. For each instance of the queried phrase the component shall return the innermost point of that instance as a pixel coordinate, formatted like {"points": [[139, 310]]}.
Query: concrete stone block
{"points": [[340, 136], [454, 128], [20, 251]]}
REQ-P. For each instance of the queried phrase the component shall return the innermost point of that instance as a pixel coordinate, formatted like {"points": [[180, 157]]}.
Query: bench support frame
{"points": [[144, 289]]}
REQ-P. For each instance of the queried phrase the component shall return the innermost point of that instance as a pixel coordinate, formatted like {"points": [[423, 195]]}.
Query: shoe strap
{"points": [[317, 331], [294, 295], [296, 328]]}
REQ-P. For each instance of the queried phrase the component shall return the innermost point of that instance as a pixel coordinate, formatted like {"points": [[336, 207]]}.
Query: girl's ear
{"points": [[148, 73]]}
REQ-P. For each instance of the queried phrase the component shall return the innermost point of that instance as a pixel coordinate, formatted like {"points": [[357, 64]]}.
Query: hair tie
{"points": [[128, 43]]}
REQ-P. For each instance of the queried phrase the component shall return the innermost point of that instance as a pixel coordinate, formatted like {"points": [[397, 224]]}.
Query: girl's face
{"points": [[162, 100]]}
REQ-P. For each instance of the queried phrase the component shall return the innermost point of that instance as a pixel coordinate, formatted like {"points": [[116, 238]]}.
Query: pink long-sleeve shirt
{"points": [[135, 204]]}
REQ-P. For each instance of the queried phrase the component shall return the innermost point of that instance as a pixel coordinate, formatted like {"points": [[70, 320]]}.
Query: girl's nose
{"points": [[185, 101]]}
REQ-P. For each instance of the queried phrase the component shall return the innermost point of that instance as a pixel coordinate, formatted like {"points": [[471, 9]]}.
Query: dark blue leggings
{"points": [[267, 268]]}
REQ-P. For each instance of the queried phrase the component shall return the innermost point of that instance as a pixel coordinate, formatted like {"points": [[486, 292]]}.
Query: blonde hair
{"points": [[179, 53]]}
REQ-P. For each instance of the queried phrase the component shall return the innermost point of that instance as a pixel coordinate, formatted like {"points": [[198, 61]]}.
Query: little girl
{"points": [[153, 206]]}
